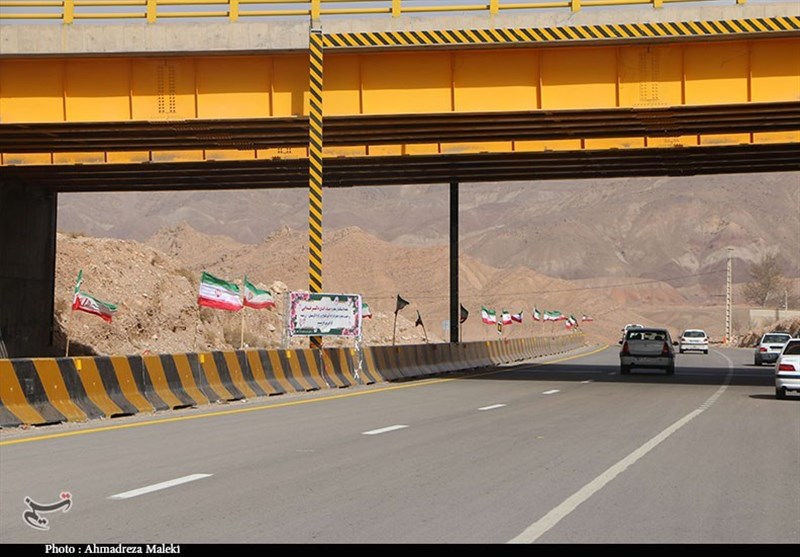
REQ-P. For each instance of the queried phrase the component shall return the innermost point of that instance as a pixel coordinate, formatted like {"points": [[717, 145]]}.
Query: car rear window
{"points": [[776, 338], [644, 334], [694, 334], [792, 348]]}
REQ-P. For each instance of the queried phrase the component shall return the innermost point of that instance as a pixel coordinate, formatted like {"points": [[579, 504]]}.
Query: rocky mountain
{"points": [[620, 251]]}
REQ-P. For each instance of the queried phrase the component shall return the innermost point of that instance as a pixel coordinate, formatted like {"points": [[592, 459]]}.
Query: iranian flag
{"points": [[571, 322], [366, 313], [506, 317], [89, 304], [256, 298], [586, 318], [553, 316], [488, 316], [516, 317], [218, 294], [537, 316]]}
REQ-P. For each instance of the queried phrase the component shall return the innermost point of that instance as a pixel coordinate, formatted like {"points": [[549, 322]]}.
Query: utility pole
{"points": [[729, 299]]}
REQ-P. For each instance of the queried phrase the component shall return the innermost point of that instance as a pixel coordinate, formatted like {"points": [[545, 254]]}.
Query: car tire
{"points": [[705, 351], [671, 370], [757, 361], [681, 350], [780, 393], [625, 370]]}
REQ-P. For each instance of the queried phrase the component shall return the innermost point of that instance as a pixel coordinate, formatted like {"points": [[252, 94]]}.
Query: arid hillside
{"points": [[650, 250], [676, 230], [155, 287]]}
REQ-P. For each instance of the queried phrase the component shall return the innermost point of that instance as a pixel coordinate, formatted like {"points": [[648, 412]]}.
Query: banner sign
{"points": [[324, 314]]}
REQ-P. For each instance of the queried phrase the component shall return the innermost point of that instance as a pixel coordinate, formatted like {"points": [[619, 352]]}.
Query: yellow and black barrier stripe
{"points": [[336, 367], [564, 34], [218, 377], [315, 169], [261, 368], [23, 398], [370, 373], [52, 390], [163, 385]]}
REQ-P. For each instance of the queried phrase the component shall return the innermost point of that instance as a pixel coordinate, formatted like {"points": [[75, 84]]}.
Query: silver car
{"points": [[787, 369], [769, 348]]}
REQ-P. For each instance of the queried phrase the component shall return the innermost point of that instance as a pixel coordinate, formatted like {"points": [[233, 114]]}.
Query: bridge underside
{"points": [[399, 170]]}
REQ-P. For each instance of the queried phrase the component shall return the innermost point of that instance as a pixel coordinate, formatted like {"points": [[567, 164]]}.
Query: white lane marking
{"points": [[159, 486], [492, 407], [551, 392], [541, 526], [384, 429]]}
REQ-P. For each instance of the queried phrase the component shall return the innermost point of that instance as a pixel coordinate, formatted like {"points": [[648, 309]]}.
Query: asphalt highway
{"points": [[559, 451]]}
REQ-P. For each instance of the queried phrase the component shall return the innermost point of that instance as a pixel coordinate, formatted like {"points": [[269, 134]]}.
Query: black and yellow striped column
{"points": [[315, 169]]}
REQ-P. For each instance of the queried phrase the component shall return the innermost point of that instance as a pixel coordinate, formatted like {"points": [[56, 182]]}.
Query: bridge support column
{"points": [[27, 269], [315, 169], [455, 304]]}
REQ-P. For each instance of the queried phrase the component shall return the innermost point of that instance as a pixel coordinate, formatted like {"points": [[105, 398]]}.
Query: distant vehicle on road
{"points": [[647, 347], [769, 348], [693, 339], [787, 369], [627, 328]]}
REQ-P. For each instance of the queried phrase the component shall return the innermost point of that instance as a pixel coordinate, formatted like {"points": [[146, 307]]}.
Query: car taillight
{"points": [[786, 367], [665, 349], [625, 347], [762, 349]]}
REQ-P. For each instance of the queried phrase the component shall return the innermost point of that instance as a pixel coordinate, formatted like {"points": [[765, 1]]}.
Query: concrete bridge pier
{"points": [[27, 269]]}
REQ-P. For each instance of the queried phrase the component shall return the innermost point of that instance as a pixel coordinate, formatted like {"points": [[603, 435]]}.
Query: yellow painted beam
{"points": [[388, 82]]}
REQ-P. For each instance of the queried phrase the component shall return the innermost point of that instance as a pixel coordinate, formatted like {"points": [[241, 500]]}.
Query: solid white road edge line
{"points": [[541, 526], [383, 430], [492, 407], [159, 486], [551, 392]]}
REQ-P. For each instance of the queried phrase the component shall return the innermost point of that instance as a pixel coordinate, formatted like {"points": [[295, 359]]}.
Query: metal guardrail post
{"points": [[575, 5], [396, 8], [152, 10], [69, 11], [233, 10], [316, 12]]}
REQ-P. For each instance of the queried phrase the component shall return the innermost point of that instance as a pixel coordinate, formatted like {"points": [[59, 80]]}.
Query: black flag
{"points": [[464, 314], [401, 303], [419, 320]]}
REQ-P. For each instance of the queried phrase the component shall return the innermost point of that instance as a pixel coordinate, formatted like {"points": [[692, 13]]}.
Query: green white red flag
{"points": [[218, 293], [571, 322], [366, 313], [256, 298], [488, 316], [554, 316], [506, 317], [87, 303], [516, 317], [537, 316]]}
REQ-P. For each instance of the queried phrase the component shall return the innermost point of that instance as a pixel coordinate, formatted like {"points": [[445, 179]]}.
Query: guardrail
{"points": [[69, 11], [39, 391]]}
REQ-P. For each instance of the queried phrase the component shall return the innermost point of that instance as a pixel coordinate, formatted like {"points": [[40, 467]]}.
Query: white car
{"points": [[787, 369], [769, 348], [693, 339]]}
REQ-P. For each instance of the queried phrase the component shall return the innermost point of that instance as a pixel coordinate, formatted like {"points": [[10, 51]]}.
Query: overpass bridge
{"points": [[191, 98]]}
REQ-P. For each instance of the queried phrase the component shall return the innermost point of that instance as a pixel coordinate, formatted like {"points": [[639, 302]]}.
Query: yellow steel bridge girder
{"points": [[391, 82]]}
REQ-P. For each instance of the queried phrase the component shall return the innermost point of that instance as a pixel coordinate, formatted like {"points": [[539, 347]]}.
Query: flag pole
{"points": [[241, 336], [394, 327]]}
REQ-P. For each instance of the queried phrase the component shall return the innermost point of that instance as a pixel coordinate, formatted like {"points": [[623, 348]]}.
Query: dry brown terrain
{"points": [[647, 250]]}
